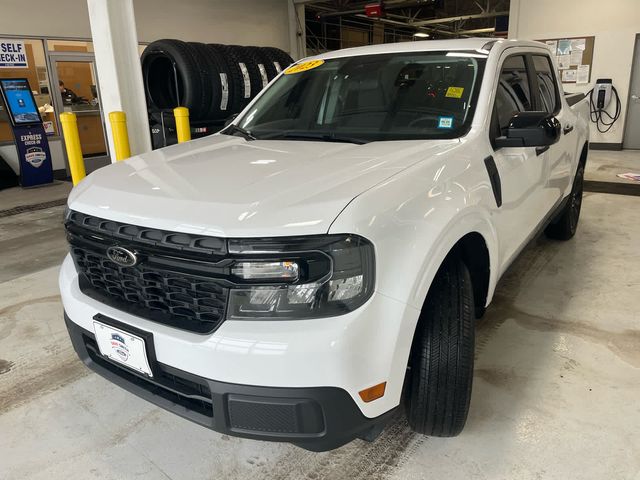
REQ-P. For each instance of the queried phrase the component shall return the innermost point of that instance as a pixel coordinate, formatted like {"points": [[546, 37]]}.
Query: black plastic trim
{"points": [[328, 416], [494, 177], [573, 98], [542, 149], [605, 146]]}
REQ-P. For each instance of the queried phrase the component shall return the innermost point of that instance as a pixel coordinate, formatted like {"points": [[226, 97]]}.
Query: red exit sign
{"points": [[375, 10]]}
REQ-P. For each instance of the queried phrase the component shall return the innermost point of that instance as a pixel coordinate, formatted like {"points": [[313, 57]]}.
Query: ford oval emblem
{"points": [[121, 256]]}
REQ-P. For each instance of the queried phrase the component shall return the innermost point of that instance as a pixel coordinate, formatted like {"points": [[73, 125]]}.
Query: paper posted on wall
{"points": [[579, 44], [553, 45], [564, 61], [582, 75], [576, 57], [569, 76]]}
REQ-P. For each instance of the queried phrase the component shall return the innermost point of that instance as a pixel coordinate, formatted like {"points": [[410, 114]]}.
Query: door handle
{"points": [[541, 150], [568, 129]]}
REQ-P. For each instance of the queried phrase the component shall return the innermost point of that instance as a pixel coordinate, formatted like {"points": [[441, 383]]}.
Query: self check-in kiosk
{"points": [[31, 140]]}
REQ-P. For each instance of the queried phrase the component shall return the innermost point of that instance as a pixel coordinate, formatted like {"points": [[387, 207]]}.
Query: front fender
{"points": [[414, 223]]}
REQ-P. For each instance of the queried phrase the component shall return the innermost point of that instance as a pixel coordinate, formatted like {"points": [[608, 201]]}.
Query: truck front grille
{"points": [[180, 287]]}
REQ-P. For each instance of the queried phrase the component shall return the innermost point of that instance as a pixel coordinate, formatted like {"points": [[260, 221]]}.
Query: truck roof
{"points": [[429, 45]]}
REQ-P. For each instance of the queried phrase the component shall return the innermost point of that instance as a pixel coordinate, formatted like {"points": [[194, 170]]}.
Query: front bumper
{"points": [[343, 355], [317, 418]]}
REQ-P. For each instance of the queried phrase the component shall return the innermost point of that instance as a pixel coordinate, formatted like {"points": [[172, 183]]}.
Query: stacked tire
{"points": [[213, 81]]}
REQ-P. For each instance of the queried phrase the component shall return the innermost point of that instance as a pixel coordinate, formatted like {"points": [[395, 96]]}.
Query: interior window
{"points": [[507, 104], [546, 83], [37, 75], [514, 77], [512, 95]]}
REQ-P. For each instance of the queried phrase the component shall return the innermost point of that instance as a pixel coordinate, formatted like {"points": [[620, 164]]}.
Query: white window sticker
{"points": [[247, 80], [263, 74], [225, 91]]}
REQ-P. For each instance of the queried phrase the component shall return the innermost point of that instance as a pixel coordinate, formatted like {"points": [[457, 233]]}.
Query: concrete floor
{"points": [[604, 166], [15, 197], [556, 385]]}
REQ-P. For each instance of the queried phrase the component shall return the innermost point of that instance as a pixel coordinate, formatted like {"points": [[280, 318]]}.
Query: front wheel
{"points": [[566, 224], [441, 363]]}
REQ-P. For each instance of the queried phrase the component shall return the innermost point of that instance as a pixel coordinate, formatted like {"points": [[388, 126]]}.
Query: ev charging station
{"points": [[600, 97], [31, 140]]}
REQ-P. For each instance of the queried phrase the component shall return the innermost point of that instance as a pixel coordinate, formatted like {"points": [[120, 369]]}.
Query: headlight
{"points": [[301, 277]]}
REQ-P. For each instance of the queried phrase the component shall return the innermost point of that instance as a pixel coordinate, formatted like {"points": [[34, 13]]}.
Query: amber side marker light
{"points": [[373, 393]]}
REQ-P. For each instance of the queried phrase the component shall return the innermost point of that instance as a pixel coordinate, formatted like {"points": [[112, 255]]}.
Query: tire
{"points": [[566, 223], [210, 69], [240, 73], [235, 80], [261, 66], [267, 61], [229, 75], [441, 361], [249, 66], [281, 57], [160, 84]]}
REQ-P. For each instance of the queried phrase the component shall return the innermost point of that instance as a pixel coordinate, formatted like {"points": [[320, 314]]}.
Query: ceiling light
{"points": [[421, 35]]}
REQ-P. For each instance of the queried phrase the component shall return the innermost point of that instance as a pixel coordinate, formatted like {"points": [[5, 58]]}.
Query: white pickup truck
{"points": [[321, 262]]}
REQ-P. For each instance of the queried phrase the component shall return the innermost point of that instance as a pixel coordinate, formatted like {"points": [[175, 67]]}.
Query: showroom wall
{"points": [[260, 22], [614, 24]]}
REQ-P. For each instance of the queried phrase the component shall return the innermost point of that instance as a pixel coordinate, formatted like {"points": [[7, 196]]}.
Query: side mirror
{"points": [[531, 129]]}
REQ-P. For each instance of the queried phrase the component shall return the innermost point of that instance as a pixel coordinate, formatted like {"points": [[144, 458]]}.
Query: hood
{"points": [[229, 187]]}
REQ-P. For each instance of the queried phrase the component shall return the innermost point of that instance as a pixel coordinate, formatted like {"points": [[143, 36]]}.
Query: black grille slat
{"points": [[189, 243], [176, 293]]}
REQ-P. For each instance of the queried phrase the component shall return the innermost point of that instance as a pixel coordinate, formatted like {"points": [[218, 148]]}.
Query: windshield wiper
{"points": [[238, 130], [323, 137]]}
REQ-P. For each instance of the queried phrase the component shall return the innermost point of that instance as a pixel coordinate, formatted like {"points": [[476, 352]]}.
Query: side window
{"points": [[512, 95], [545, 80], [514, 77]]}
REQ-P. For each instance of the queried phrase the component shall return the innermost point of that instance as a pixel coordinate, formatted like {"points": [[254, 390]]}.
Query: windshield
{"points": [[400, 96]]}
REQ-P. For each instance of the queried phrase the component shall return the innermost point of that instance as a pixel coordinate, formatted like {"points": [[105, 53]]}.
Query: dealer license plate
{"points": [[122, 347]]}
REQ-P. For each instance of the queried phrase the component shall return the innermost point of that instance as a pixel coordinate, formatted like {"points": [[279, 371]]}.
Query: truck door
{"points": [[523, 171], [561, 156]]}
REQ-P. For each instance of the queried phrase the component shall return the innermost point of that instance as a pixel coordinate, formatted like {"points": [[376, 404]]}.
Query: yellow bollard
{"points": [[118, 122], [182, 124], [72, 142]]}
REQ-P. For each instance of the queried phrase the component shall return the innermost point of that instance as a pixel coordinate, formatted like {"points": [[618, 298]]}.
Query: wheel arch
{"points": [[473, 250], [475, 239]]}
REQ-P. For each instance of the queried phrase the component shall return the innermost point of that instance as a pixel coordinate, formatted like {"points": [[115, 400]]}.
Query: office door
{"points": [[632, 129]]}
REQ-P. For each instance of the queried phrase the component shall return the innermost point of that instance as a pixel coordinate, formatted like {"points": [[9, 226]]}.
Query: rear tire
{"points": [[441, 373], [566, 223]]}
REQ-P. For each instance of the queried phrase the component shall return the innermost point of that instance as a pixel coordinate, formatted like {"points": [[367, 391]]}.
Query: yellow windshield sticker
{"points": [[303, 67], [454, 92]]}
